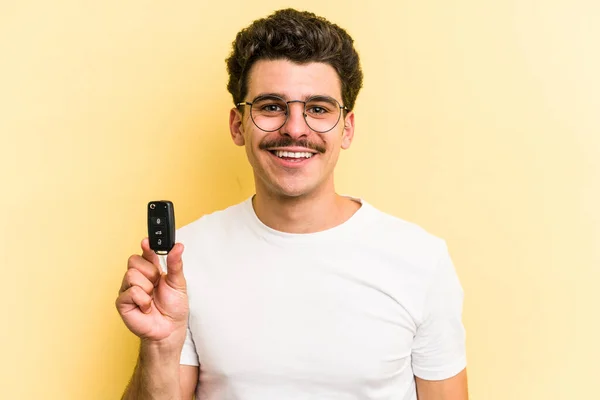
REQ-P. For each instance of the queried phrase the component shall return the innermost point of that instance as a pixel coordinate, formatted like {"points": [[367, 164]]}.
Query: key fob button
{"points": [[159, 232], [157, 220], [158, 242]]}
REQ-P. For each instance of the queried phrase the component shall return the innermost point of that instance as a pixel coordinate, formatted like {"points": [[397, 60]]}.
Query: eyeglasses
{"points": [[269, 113]]}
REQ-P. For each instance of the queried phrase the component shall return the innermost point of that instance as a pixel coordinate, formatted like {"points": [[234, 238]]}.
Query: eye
{"points": [[273, 107], [317, 110], [321, 106], [269, 106]]}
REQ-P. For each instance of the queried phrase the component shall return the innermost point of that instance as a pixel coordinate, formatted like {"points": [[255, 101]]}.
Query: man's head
{"points": [[297, 57]]}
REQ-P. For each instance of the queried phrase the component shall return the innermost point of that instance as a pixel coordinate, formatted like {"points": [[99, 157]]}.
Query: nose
{"points": [[295, 126]]}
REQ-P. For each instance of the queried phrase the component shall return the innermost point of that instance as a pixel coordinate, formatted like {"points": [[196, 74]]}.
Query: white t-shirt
{"points": [[353, 312]]}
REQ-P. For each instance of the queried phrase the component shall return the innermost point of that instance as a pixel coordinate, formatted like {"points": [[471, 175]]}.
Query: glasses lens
{"points": [[269, 112], [322, 113]]}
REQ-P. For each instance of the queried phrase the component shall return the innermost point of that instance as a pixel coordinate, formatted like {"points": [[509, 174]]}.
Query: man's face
{"points": [[279, 159]]}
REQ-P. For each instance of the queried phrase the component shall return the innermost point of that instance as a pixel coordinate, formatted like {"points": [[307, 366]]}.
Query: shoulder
{"points": [[406, 239], [213, 225]]}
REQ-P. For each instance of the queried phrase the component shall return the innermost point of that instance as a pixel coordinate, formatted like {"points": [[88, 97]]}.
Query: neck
{"points": [[303, 214]]}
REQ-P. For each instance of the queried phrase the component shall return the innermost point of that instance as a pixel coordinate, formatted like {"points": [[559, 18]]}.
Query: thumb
{"points": [[175, 277]]}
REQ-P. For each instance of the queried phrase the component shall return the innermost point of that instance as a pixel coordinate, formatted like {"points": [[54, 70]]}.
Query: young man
{"points": [[297, 292]]}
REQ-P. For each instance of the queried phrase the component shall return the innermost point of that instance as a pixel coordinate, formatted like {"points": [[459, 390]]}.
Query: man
{"points": [[297, 292]]}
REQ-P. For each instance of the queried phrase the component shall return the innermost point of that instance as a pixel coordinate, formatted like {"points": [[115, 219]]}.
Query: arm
{"points": [[188, 375], [454, 388], [154, 306], [439, 347], [157, 375]]}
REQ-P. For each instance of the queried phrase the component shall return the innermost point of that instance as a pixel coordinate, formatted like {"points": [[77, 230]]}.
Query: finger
{"points": [[175, 277], [137, 297], [149, 270], [133, 277], [148, 253]]}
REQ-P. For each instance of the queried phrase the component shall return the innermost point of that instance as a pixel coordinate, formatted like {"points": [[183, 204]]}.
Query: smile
{"points": [[290, 154], [292, 159]]}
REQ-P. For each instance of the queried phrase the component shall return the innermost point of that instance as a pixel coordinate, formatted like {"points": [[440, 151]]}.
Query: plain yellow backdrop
{"points": [[479, 120]]}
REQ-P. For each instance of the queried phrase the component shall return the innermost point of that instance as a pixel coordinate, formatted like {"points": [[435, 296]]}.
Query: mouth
{"points": [[289, 158], [292, 154]]}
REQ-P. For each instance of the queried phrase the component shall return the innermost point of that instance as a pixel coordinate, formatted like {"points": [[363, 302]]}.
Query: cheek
{"points": [[334, 154], [253, 151], [334, 143], [251, 138]]}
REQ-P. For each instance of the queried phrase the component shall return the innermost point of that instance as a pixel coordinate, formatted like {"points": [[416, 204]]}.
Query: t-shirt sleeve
{"points": [[189, 356], [439, 350]]}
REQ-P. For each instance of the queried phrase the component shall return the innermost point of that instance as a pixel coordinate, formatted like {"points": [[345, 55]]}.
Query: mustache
{"points": [[286, 141]]}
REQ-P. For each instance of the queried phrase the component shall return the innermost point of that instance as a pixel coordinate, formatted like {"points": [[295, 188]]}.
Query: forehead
{"points": [[292, 80]]}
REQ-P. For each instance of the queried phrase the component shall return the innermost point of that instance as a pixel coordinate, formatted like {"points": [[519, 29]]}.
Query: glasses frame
{"points": [[287, 113]]}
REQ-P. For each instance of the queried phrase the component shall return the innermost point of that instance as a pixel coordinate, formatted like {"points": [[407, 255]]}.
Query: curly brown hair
{"points": [[298, 36]]}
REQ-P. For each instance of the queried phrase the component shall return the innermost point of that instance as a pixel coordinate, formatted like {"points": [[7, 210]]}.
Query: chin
{"points": [[291, 192], [282, 186], [294, 191]]}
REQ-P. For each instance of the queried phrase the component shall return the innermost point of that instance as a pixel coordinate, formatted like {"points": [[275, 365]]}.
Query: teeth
{"points": [[290, 154]]}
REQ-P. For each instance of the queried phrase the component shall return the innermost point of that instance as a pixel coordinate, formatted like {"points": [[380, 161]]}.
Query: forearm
{"points": [[156, 375]]}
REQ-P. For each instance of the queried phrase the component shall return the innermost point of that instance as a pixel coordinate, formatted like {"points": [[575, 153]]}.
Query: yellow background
{"points": [[479, 120]]}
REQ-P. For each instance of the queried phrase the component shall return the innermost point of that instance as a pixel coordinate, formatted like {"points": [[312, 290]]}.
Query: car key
{"points": [[161, 226]]}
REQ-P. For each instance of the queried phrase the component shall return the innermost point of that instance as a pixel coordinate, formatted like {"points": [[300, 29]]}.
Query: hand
{"points": [[154, 304]]}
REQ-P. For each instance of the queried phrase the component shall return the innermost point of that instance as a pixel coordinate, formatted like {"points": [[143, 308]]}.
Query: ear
{"points": [[348, 133], [236, 127]]}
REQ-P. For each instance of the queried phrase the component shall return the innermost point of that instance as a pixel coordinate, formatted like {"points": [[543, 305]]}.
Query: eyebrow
{"points": [[283, 96]]}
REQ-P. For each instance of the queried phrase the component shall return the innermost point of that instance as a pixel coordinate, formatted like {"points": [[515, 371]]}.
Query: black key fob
{"points": [[161, 226]]}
